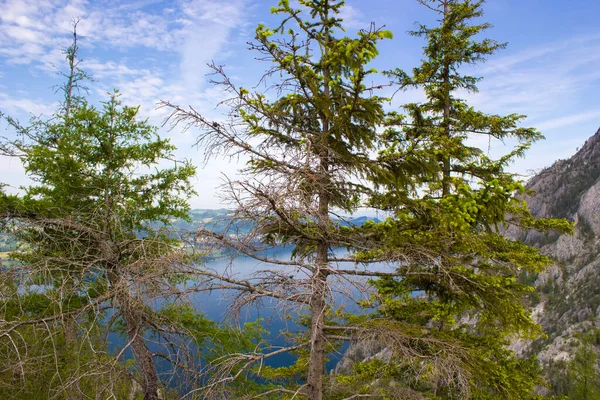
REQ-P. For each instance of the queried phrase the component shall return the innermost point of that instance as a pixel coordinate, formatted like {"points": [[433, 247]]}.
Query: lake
{"points": [[276, 319], [215, 305]]}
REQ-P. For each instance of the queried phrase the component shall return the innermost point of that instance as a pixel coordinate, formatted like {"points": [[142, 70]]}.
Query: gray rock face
{"points": [[358, 352], [570, 289]]}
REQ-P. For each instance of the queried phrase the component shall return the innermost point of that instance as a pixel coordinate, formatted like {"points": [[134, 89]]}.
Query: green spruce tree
{"points": [[451, 207], [582, 371]]}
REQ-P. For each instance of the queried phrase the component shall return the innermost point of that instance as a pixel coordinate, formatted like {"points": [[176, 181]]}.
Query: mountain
{"points": [[220, 221], [567, 298]]}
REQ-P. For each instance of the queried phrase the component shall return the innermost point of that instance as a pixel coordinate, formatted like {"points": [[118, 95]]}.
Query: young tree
{"points": [[87, 221], [18, 147], [582, 370], [93, 230]]}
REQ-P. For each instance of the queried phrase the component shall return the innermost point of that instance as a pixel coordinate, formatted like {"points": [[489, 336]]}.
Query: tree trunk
{"points": [[145, 361], [133, 324], [316, 364], [446, 162], [70, 328]]}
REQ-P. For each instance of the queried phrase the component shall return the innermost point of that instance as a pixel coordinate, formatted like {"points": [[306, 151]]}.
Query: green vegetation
{"points": [[449, 201], [80, 225], [565, 204], [311, 148], [309, 151], [96, 257], [578, 378], [98, 253]]}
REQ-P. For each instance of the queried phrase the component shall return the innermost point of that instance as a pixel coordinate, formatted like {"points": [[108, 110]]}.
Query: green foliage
{"points": [[577, 378], [583, 373], [453, 302], [450, 202], [94, 227], [215, 343], [96, 150], [574, 181], [38, 365], [93, 235], [310, 149]]}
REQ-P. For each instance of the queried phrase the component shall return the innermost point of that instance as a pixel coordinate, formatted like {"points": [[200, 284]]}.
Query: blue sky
{"points": [[158, 50]]}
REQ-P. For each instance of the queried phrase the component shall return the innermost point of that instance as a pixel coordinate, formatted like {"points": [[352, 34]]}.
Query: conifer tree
{"points": [[309, 150], [93, 233], [582, 370], [450, 205]]}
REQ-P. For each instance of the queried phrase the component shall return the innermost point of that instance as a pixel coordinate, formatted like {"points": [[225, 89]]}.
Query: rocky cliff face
{"points": [[568, 294]]}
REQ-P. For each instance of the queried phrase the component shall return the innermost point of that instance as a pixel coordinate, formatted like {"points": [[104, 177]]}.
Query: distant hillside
{"points": [[567, 301], [220, 221], [216, 220]]}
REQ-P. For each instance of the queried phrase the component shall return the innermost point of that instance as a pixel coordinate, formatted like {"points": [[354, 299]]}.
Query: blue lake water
{"points": [[276, 316], [216, 305]]}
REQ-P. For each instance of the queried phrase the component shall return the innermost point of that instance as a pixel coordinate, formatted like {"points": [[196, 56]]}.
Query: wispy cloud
{"points": [[207, 30], [192, 32], [19, 105], [555, 85], [111, 69], [30, 30], [507, 62], [538, 79], [353, 17], [569, 120]]}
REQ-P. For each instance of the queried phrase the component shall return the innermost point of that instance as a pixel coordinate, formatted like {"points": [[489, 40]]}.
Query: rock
{"points": [[570, 289]]}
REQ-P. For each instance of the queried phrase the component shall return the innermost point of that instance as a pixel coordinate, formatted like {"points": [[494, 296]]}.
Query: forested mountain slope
{"points": [[567, 300]]}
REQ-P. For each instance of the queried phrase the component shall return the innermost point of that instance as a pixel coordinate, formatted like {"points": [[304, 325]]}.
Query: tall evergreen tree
{"points": [[309, 149], [450, 205]]}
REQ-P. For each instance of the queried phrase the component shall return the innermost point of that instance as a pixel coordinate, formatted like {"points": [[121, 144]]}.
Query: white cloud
{"points": [[353, 18], [538, 80], [12, 105], [12, 173], [507, 62], [195, 32], [111, 69], [569, 120], [208, 26], [32, 29]]}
